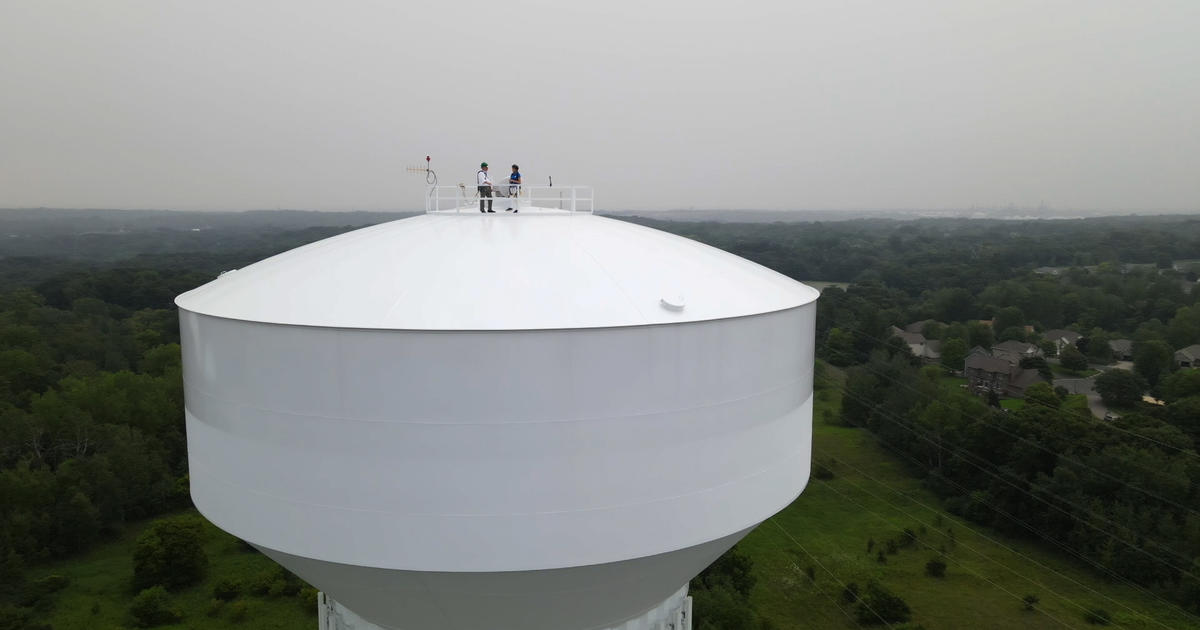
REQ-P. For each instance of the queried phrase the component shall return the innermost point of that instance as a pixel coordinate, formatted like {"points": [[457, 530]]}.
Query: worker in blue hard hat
{"points": [[484, 181], [514, 187]]}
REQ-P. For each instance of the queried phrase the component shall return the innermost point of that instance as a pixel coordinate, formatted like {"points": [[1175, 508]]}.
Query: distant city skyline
{"points": [[829, 105]]}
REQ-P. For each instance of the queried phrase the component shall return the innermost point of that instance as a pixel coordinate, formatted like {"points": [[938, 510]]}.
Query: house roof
{"points": [[919, 327], [1124, 346], [1059, 333], [1190, 353], [1014, 346], [988, 363]]}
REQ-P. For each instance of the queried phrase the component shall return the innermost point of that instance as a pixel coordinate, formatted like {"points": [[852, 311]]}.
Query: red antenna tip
{"points": [[426, 158]]}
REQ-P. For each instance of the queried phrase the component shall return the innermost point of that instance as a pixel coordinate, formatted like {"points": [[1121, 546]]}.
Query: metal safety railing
{"points": [[463, 198]]}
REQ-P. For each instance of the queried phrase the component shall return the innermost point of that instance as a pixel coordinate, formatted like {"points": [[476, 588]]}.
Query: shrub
{"points": [[151, 608], [1029, 601], [935, 568], [238, 612], [811, 573], [260, 584], [733, 570], [720, 608], [879, 605], [227, 590], [1120, 387], [308, 599], [275, 582], [215, 606], [1097, 616], [850, 593], [170, 553], [39, 590], [1073, 359], [13, 617]]}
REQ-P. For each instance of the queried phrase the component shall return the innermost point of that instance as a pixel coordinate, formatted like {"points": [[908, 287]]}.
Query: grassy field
{"points": [[99, 593], [873, 497], [953, 381]]}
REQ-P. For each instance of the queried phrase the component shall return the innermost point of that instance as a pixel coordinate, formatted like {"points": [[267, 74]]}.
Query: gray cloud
{"points": [[837, 104]]}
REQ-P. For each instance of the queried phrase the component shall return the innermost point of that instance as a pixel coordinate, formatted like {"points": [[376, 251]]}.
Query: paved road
{"points": [[1086, 386]]}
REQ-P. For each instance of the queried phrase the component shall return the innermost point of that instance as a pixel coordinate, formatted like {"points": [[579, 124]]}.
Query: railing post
{"points": [[572, 200]]}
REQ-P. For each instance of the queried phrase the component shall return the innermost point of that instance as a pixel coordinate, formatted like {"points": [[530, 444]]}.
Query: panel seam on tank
{"points": [[675, 410], [620, 287], [607, 508]]}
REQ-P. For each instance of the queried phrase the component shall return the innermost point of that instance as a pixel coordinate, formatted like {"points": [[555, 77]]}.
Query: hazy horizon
{"points": [[818, 106]]}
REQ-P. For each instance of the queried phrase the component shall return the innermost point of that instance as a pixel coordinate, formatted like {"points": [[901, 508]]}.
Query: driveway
{"points": [[1085, 386]]}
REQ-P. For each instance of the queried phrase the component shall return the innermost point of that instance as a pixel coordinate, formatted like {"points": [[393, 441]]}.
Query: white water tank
{"points": [[536, 421]]}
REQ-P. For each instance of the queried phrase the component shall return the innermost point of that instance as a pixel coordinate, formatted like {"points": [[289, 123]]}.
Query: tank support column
{"points": [[675, 613]]}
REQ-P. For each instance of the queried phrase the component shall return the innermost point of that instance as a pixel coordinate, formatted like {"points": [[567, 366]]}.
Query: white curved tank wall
{"points": [[576, 598], [480, 452]]}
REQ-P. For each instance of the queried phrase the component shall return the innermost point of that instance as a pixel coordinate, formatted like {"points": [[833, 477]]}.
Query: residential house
{"points": [[1188, 357], [1061, 338], [919, 327], [1013, 351], [986, 372], [927, 350], [1122, 349]]}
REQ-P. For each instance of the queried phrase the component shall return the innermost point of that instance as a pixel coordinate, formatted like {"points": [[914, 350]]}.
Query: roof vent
{"points": [[673, 303]]}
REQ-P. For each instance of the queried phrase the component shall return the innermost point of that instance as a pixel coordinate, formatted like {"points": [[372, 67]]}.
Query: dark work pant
{"points": [[485, 191]]}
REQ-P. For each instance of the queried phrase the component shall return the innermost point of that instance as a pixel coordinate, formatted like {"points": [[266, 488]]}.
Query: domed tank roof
{"points": [[497, 272]]}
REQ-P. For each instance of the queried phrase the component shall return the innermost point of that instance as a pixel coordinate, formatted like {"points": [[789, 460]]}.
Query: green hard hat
{"points": [[482, 164]]}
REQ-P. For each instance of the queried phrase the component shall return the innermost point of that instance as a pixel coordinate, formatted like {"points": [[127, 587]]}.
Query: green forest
{"points": [[93, 452]]}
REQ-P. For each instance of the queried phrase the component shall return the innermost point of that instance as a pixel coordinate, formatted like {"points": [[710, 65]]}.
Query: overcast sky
{"points": [[774, 105]]}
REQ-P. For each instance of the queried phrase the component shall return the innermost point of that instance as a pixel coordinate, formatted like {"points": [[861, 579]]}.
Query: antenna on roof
{"points": [[430, 176]]}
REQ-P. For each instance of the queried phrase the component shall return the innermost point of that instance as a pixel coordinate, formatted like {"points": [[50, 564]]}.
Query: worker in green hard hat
{"points": [[484, 182]]}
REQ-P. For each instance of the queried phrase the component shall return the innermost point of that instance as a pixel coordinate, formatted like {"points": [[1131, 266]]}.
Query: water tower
{"points": [[538, 421]]}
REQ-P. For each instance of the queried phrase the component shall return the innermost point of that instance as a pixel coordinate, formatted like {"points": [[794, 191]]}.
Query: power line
{"points": [[835, 578], [1132, 546], [1023, 556], [957, 562], [1033, 529], [1061, 456], [1043, 448]]}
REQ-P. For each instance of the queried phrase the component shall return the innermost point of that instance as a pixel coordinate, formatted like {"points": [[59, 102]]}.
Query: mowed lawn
{"points": [[873, 496], [99, 594]]}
